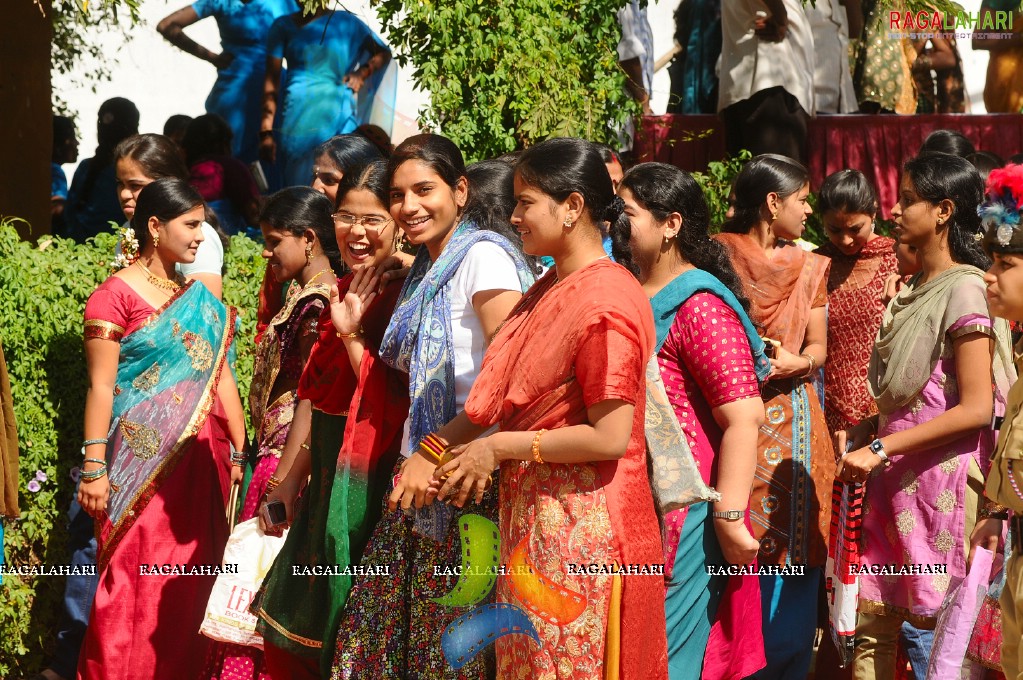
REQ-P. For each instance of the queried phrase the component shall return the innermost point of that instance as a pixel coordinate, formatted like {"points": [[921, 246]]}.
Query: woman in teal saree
{"points": [[161, 415]]}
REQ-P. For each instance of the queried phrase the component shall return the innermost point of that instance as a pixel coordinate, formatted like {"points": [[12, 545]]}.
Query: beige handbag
{"points": [[675, 478]]}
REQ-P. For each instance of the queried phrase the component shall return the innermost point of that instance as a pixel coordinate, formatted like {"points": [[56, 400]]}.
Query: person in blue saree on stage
{"points": [[335, 84], [161, 415], [237, 94]]}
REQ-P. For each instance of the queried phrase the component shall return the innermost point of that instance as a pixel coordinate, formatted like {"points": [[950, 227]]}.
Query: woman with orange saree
{"points": [[564, 379], [791, 500], [160, 416]]}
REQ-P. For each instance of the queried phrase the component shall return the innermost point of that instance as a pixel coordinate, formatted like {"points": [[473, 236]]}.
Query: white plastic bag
{"points": [[227, 612]]}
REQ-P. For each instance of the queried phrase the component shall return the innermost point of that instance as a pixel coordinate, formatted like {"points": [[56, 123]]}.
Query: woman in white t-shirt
{"points": [[142, 159], [465, 279]]}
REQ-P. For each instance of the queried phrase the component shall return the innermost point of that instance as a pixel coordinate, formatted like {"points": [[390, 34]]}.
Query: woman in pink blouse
{"points": [[712, 360]]}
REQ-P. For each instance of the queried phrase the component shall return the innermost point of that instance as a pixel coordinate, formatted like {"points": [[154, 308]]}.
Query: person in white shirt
{"points": [[766, 93]]}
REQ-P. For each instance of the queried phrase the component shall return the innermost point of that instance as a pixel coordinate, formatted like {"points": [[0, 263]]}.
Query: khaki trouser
{"points": [[877, 635]]}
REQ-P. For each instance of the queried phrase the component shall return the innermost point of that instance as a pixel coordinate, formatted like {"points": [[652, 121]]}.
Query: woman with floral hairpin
{"points": [[161, 415], [939, 373]]}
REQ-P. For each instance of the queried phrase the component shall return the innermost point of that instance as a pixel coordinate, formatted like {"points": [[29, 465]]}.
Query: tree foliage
{"points": [[74, 48], [43, 289], [505, 75]]}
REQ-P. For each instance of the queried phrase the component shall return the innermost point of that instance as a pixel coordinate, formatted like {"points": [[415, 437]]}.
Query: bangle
{"points": [[239, 457], [272, 483], [535, 450], [93, 475], [813, 363], [348, 336], [305, 446], [90, 442], [432, 446], [96, 460]]}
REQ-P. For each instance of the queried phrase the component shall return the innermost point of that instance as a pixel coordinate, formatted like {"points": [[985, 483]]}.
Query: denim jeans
{"points": [[79, 592], [917, 644]]}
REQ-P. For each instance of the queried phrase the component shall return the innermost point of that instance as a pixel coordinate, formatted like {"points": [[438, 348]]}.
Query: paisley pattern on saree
{"points": [[156, 420]]}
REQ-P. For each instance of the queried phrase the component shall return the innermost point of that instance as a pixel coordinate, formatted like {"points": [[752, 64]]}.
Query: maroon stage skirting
{"points": [[876, 145]]}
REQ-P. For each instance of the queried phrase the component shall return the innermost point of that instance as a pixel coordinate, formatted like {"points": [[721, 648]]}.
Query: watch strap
{"points": [[731, 515]]}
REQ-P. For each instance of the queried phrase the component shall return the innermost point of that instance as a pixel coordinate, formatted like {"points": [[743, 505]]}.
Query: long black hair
{"points": [[562, 166], [371, 177], [165, 199], [947, 141], [847, 191], [444, 157], [492, 200], [295, 209], [156, 154], [940, 176], [764, 174], [664, 189]]}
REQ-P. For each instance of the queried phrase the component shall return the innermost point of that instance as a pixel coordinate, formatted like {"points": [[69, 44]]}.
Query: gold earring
{"points": [[774, 215], [568, 223], [156, 240], [309, 254]]}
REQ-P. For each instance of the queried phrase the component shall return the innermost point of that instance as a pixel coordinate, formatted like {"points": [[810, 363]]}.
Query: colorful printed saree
{"points": [[169, 469]]}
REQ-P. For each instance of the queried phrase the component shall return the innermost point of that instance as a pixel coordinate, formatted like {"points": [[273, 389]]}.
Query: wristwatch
{"points": [[877, 448], [730, 515]]}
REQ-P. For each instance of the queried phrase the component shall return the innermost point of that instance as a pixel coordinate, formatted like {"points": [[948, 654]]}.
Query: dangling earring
{"points": [[309, 254], [156, 240]]}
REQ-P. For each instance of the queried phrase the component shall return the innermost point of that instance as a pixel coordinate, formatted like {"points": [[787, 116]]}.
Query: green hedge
{"points": [[43, 289]]}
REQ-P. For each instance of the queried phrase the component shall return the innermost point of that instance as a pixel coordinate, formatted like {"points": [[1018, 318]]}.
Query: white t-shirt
{"points": [[209, 258], [749, 65], [486, 267]]}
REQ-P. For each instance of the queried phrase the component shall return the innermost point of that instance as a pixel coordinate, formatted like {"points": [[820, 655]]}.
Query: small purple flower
{"points": [[76, 472], [41, 476], [33, 486]]}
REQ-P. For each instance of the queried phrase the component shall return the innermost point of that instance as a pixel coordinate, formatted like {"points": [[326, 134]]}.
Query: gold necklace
{"points": [[171, 285], [316, 276]]}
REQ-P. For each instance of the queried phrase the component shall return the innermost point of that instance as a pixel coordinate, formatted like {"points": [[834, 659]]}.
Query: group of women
{"points": [[466, 420]]}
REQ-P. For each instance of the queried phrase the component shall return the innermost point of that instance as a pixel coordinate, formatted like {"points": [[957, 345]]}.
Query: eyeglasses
{"points": [[373, 224]]}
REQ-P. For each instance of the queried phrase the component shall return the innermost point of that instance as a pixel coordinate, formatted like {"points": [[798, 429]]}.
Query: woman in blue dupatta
{"points": [[161, 415], [712, 360], [465, 279]]}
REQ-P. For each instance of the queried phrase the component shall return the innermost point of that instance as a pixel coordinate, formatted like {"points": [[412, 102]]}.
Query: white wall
{"points": [[162, 80]]}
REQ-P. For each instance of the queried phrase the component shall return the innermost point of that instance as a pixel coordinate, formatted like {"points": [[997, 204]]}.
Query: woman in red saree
{"points": [[156, 478], [564, 379]]}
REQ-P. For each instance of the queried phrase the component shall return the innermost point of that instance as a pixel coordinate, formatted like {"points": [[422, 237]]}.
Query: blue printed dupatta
{"points": [[167, 378], [418, 342]]}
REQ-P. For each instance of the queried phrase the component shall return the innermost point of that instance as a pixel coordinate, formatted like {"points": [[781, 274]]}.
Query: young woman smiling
{"points": [[160, 415], [565, 380], [791, 500], [465, 279], [348, 400]]}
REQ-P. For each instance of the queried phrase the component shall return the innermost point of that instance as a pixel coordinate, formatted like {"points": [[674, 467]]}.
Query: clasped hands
{"points": [[463, 473]]}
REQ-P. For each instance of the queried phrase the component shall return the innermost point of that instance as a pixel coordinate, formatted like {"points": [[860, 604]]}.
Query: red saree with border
{"points": [[566, 346]]}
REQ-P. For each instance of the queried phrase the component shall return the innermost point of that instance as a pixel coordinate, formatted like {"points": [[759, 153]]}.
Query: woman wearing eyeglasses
{"points": [[349, 400]]}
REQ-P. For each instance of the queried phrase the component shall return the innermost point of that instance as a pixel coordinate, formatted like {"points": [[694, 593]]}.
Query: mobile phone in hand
{"points": [[275, 514]]}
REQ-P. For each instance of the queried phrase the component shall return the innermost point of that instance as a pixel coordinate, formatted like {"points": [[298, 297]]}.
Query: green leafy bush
{"points": [[505, 75], [43, 290]]}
